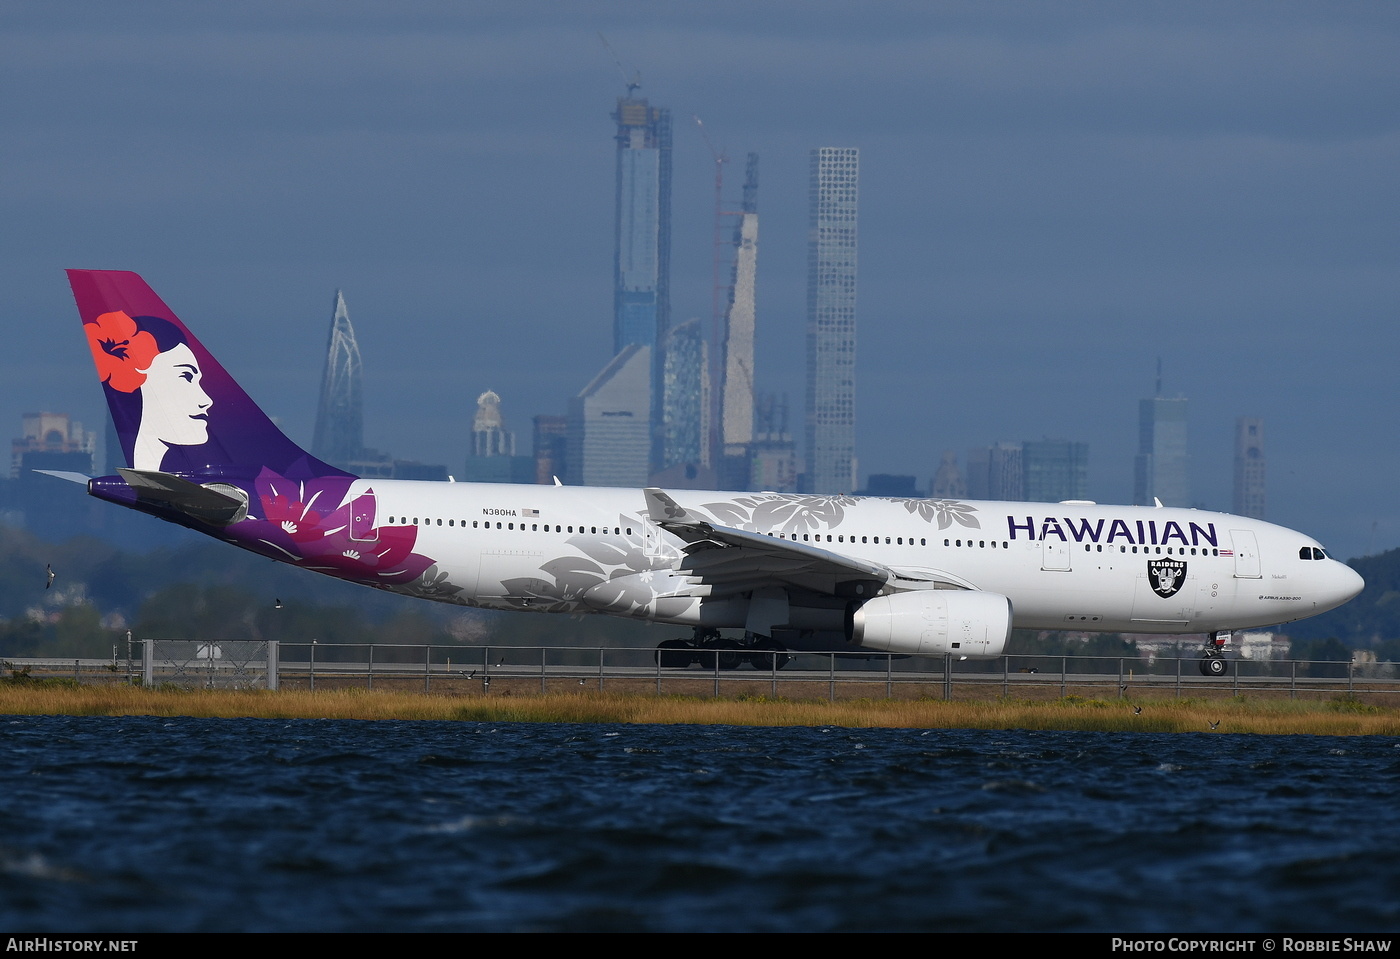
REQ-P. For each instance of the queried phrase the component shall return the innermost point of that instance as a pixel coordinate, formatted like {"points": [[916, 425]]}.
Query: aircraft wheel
{"points": [[766, 659], [674, 654], [1214, 666], [730, 655]]}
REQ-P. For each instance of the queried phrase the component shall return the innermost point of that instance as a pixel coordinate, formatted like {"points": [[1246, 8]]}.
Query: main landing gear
{"points": [[1214, 663], [712, 651]]}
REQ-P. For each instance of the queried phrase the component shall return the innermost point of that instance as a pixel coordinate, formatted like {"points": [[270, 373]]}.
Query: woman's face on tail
{"points": [[173, 397]]}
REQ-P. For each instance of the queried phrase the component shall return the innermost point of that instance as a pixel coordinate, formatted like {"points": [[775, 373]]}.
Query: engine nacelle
{"points": [[927, 622]]}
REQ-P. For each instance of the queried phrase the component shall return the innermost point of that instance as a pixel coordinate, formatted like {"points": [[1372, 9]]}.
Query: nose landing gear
{"points": [[1214, 663]]}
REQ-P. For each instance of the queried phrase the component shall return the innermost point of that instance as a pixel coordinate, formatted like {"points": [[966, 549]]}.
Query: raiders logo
{"points": [[1167, 576]]}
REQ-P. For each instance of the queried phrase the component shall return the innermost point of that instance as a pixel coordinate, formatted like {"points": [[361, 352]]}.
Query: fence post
{"points": [[1121, 688], [1293, 683], [1005, 676], [313, 665], [831, 677], [148, 663], [773, 671], [273, 652], [1178, 672], [1351, 670], [947, 676], [370, 666], [889, 676], [1064, 676], [543, 653], [427, 666], [600, 669]]}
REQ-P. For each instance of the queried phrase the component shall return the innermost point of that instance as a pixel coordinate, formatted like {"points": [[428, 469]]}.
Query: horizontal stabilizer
{"points": [[67, 475], [217, 503]]}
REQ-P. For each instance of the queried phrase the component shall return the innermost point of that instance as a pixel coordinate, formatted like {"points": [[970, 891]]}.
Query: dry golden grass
{"points": [[1340, 717]]}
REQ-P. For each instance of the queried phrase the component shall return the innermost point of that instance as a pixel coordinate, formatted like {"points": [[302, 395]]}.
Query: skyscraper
{"points": [[737, 399], [489, 434], [642, 264], [773, 453], [609, 433], [996, 472], [492, 456], [1161, 466], [551, 448], [1249, 467], [948, 482], [831, 320], [686, 396], [1054, 470], [642, 260], [340, 430], [54, 441]]}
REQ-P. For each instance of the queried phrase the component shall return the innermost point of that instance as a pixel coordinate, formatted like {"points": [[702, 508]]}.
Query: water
{"points": [[146, 824]]}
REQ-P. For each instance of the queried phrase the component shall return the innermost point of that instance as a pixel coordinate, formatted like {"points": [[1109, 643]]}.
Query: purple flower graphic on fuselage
{"points": [[307, 522]]}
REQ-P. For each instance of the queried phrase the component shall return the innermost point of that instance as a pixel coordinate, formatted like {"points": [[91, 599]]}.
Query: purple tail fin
{"points": [[176, 410]]}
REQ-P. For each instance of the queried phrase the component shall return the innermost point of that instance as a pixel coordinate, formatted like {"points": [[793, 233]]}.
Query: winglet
{"points": [[661, 509]]}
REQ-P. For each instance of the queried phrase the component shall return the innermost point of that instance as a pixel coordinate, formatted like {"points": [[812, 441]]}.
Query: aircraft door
{"points": [[362, 518], [1055, 555], [1246, 546], [651, 538]]}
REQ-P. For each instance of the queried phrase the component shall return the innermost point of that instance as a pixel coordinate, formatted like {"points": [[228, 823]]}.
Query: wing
{"points": [[732, 560]]}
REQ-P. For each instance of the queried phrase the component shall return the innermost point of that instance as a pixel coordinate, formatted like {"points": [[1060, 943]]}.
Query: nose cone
{"points": [[1342, 585]]}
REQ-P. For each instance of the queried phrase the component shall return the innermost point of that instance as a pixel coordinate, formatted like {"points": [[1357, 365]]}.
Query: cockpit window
{"points": [[1318, 554], [1311, 552]]}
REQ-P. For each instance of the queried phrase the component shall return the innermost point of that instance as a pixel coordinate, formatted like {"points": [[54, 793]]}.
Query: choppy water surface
{"points": [[157, 824]]}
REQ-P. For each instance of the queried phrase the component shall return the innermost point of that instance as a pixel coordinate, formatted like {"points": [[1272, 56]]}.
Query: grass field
{"points": [[1336, 717]]}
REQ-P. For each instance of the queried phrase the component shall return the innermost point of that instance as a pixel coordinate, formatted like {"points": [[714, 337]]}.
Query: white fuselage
{"points": [[1063, 566]]}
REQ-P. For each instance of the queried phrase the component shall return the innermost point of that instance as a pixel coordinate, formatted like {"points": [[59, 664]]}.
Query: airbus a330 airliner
{"points": [[793, 572]]}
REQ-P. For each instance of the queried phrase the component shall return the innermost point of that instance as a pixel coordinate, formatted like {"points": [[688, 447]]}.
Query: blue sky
{"points": [[1052, 196]]}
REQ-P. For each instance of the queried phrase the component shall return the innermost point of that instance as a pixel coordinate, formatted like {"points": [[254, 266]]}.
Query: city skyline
{"points": [[1049, 200]]}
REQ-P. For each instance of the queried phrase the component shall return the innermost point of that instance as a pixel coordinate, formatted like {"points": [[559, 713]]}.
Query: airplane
{"points": [[794, 572]]}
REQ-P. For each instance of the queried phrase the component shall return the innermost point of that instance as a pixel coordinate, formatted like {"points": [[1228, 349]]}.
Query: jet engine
{"points": [[933, 621]]}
